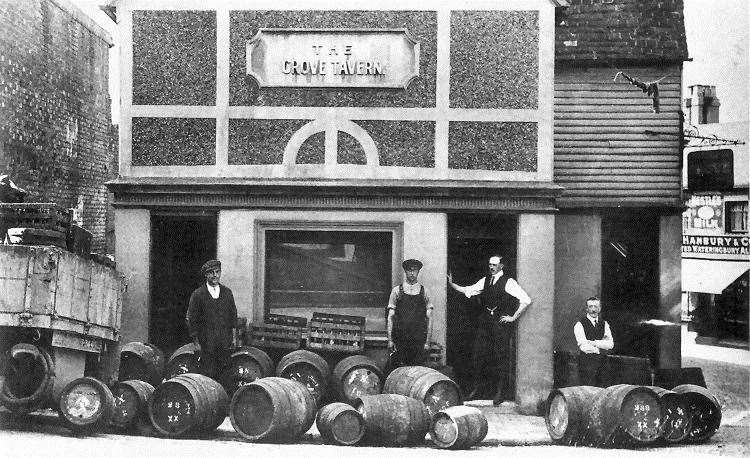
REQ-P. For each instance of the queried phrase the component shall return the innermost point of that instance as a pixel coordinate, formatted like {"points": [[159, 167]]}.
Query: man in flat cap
{"points": [[211, 318], [409, 319]]}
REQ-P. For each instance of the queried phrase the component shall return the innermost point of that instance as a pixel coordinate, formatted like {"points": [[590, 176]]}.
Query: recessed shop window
{"points": [[737, 216], [327, 269], [710, 170]]}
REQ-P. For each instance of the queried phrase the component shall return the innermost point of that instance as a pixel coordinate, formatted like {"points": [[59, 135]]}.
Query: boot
{"points": [[499, 394]]}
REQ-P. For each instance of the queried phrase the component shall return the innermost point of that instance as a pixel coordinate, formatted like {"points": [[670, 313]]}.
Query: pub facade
{"points": [[312, 150]]}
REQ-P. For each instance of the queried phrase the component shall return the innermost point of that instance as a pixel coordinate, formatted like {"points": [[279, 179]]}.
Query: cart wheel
{"points": [[86, 405]]}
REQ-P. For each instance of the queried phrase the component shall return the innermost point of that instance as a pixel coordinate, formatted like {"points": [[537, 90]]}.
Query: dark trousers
{"points": [[590, 368], [407, 353], [491, 358], [214, 362]]}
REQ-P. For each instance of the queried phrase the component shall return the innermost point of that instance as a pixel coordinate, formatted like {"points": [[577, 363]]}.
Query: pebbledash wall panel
{"points": [[56, 136], [611, 148]]}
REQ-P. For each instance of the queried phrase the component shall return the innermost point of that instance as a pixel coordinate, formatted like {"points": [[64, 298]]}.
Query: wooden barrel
{"points": [[246, 365], [130, 403], [393, 419], [458, 427], [159, 358], [676, 421], [139, 361], [356, 376], [567, 413], [340, 424], [704, 411], [29, 378], [308, 368], [272, 409], [86, 405], [427, 385], [624, 415], [183, 361], [188, 404]]}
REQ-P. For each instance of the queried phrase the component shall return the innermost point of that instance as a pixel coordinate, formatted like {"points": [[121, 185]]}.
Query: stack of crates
{"points": [[337, 333], [35, 223], [278, 331]]}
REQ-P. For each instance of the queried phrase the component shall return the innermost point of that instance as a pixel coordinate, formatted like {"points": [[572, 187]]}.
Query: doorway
{"points": [[472, 238], [179, 246]]}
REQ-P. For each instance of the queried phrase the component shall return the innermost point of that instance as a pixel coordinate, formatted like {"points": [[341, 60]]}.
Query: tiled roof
{"points": [[602, 31]]}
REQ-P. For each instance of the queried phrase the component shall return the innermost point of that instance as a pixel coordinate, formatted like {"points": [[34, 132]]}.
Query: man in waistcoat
{"points": [[594, 339], [503, 301], [211, 318], [409, 319]]}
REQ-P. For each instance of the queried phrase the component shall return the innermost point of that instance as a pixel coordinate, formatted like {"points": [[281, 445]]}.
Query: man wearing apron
{"points": [[503, 301], [409, 319]]}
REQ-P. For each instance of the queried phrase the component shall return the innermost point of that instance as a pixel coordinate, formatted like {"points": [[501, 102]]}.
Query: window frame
{"points": [[728, 227]]}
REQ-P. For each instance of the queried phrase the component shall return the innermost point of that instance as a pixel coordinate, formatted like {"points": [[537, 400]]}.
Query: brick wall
{"points": [[56, 139]]}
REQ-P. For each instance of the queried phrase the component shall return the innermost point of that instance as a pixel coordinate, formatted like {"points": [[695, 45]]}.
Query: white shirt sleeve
{"points": [[514, 289], [392, 298], [583, 344], [472, 290], [606, 343]]}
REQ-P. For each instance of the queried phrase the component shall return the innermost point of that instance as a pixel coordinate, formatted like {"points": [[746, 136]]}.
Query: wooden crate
{"points": [[340, 333], [277, 331]]}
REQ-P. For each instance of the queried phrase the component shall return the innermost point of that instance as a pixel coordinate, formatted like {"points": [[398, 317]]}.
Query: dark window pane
{"points": [[327, 269], [710, 170]]}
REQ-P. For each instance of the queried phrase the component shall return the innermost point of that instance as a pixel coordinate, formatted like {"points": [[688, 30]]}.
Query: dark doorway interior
{"points": [[179, 246], [630, 279], [472, 239]]}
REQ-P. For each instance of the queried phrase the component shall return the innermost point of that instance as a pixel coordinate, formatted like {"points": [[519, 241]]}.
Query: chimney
{"points": [[702, 107]]}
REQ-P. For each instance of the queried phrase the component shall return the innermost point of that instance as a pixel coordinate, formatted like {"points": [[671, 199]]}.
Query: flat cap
{"points": [[411, 264], [211, 264]]}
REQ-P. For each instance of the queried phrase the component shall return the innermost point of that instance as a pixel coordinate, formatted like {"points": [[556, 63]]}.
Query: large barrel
{"points": [[139, 361], [340, 424], [29, 378], [567, 413], [308, 368], [246, 365], [356, 376], [188, 404], [86, 405], [184, 360], [676, 421], [130, 403], [272, 409], [427, 385], [704, 411], [458, 427], [159, 359], [624, 415], [393, 419]]}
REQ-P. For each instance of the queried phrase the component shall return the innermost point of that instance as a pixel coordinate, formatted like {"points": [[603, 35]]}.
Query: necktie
{"points": [[596, 322]]}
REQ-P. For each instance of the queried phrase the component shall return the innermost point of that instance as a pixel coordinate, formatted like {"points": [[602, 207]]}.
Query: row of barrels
{"points": [[631, 415]]}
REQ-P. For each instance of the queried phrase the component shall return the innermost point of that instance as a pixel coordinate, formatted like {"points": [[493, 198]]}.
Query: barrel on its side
{"points": [[458, 427], [29, 379], [86, 405], [567, 413], [246, 365], [188, 404], [356, 376], [340, 424], [437, 391], [159, 359], [704, 411], [272, 409], [308, 368], [676, 421], [139, 361], [393, 419], [624, 415], [184, 360], [130, 403]]}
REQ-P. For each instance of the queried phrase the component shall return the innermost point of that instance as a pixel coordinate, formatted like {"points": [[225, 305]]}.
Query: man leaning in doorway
{"points": [[409, 319], [594, 339], [503, 301], [211, 318]]}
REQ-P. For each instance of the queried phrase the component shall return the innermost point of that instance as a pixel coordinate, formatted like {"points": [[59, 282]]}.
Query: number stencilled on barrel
{"points": [[126, 402], [642, 417], [361, 382], [175, 413], [308, 378]]}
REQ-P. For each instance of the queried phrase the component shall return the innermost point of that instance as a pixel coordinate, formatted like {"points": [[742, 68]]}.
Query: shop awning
{"points": [[709, 276]]}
